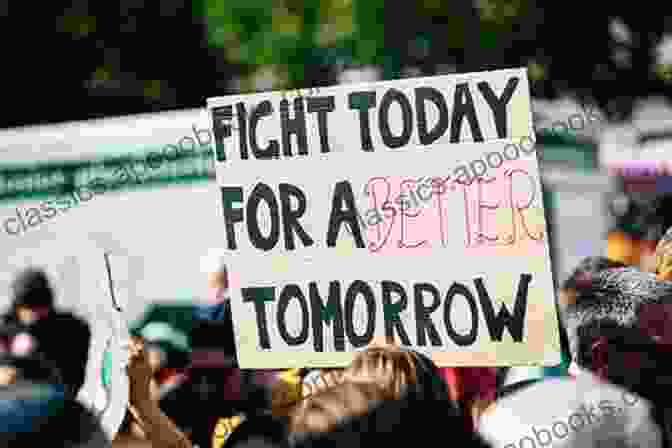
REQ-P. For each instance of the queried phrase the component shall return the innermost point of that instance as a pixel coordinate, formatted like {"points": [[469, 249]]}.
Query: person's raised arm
{"points": [[158, 427]]}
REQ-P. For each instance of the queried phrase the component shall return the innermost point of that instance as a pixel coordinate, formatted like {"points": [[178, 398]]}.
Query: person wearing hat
{"points": [[33, 307], [35, 405]]}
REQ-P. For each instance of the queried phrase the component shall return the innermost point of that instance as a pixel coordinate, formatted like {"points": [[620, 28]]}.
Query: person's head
{"points": [[32, 295], [325, 410], [361, 414], [390, 367], [664, 256], [395, 370], [620, 329], [165, 345], [581, 277], [213, 265]]}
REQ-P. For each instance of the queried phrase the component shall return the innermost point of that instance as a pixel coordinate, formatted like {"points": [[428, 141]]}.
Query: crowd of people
{"points": [[611, 389]]}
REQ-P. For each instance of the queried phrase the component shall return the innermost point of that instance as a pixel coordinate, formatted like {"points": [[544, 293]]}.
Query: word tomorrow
{"points": [[338, 313]]}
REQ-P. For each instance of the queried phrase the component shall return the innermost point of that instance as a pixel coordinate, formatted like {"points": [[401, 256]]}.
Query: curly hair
{"points": [[609, 307]]}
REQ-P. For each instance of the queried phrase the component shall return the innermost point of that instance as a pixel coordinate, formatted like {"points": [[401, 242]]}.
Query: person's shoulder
{"points": [[588, 409]]}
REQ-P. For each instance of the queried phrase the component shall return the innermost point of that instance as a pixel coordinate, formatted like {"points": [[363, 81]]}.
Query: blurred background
{"points": [[91, 88]]}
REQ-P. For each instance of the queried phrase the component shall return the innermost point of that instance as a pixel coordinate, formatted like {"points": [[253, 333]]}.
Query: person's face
{"points": [[8, 375], [29, 315], [218, 284]]}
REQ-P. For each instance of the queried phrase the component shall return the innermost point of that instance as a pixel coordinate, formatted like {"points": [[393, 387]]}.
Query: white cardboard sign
{"points": [[362, 211]]}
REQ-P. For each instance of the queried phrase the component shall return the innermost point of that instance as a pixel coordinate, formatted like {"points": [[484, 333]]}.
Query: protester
{"points": [[619, 331], [396, 371], [33, 307], [362, 414], [156, 427], [40, 377], [623, 317], [517, 378], [167, 351]]}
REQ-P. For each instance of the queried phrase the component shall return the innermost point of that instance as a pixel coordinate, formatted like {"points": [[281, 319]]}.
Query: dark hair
{"points": [[388, 422], [31, 288], [430, 385], [608, 306], [587, 268]]}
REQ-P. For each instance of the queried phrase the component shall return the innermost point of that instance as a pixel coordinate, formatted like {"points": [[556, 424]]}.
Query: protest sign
{"points": [[369, 211]]}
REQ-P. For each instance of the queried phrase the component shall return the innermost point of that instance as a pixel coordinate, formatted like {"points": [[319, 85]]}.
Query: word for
{"points": [[285, 219], [577, 421], [123, 175], [339, 313], [361, 103]]}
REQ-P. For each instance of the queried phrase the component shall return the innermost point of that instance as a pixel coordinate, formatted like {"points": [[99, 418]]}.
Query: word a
{"points": [[338, 313]]}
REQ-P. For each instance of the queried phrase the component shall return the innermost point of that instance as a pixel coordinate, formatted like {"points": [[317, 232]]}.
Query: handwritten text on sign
{"points": [[464, 277]]}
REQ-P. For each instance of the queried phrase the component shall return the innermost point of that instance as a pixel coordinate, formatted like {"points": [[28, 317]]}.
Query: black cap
{"points": [[31, 288]]}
